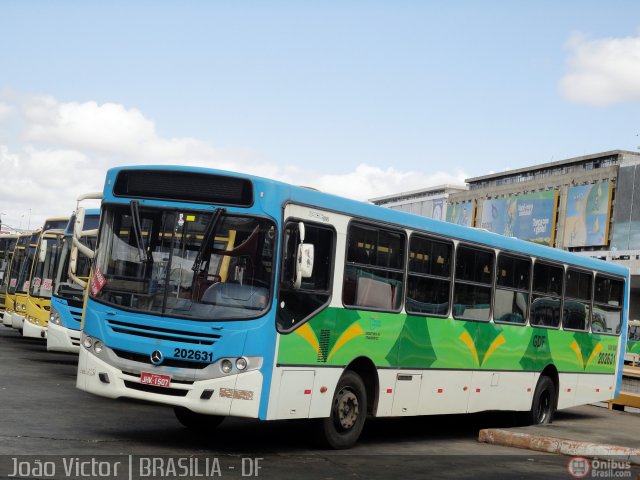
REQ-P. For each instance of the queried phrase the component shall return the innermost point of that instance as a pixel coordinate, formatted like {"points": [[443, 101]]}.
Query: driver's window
{"points": [[296, 305]]}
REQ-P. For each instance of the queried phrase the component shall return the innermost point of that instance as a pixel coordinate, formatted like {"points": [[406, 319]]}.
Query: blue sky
{"points": [[362, 98]]}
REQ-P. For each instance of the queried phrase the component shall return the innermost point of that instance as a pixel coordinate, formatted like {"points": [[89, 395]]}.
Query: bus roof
{"points": [[285, 193]]}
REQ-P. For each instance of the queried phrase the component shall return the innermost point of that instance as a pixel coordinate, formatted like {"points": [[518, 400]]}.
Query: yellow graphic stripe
{"points": [[497, 343], [468, 341], [594, 353], [309, 335], [576, 348], [350, 333]]}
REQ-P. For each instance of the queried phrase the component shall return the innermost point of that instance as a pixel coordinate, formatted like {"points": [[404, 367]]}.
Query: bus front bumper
{"points": [[31, 330], [6, 319], [17, 321], [231, 395], [62, 339]]}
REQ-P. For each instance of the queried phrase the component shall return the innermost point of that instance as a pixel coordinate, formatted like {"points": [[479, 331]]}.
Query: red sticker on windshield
{"points": [[98, 282]]}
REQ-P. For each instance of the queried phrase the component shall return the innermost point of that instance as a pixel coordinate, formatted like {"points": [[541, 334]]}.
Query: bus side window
{"points": [[607, 305], [429, 279], [511, 298], [577, 303], [547, 295], [473, 283], [296, 305], [374, 270]]}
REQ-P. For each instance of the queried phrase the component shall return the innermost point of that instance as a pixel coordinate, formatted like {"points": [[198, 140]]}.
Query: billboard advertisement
{"points": [[529, 216], [587, 218], [461, 213]]}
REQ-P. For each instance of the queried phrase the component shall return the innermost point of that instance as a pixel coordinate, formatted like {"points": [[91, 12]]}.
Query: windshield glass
{"points": [[4, 284], [157, 261], [64, 287], [16, 266], [25, 270], [44, 267]]}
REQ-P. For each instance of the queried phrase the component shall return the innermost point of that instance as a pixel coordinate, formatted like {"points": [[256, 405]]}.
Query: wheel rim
{"points": [[544, 406], [347, 409]]}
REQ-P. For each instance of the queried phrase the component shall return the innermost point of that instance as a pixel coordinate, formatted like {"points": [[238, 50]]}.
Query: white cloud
{"points": [[603, 71], [5, 111], [67, 148], [369, 182]]}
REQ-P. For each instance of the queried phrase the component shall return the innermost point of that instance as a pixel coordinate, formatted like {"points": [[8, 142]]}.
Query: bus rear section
{"points": [[67, 301]]}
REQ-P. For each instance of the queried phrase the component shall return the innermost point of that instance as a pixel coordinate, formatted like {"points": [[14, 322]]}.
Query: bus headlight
{"points": [[87, 342], [54, 317], [226, 365], [241, 363], [23, 307], [98, 346]]}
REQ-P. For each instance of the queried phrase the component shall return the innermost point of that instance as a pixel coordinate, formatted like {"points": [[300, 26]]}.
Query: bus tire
{"points": [[348, 412], [197, 421], [544, 403]]}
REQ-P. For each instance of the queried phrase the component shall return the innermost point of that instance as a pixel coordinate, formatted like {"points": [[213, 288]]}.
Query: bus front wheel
{"points": [[197, 421], [348, 412], [544, 402]]}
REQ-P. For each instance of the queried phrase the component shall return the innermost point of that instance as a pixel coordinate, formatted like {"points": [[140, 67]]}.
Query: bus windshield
{"points": [[197, 265], [44, 268], [16, 267], [64, 287], [25, 270]]}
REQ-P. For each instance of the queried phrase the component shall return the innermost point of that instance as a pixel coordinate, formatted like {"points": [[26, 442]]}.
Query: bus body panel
{"points": [[423, 364], [64, 330], [36, 317], [146, 334], [66, 336], [17, 319], [42, 282]]}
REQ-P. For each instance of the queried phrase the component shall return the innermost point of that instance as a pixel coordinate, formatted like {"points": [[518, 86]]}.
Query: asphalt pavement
{"points": [[44, 417]]}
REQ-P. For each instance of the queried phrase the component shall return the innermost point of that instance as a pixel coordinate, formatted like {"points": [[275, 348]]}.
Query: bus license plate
{"points": [[155, 379]]}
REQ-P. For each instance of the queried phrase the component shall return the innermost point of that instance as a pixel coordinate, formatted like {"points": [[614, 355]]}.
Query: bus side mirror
{"points": [[304, 258], [73, 260]]}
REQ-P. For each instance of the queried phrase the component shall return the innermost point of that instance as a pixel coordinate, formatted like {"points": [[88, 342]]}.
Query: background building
{"points": [[427, 202]]}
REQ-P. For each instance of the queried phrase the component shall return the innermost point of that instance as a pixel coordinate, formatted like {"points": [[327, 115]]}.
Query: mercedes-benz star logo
{"points": [[156, 357]]}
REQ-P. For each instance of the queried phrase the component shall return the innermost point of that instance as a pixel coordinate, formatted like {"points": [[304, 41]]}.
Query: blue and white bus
{"points": [[224, 294], [67, 300]]}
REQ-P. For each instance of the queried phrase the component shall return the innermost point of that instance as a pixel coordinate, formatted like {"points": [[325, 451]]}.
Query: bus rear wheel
{"points": [[348, 412], [544, 403], [197, 421]]}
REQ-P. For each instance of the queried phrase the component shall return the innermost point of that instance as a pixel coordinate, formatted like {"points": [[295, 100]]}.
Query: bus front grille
{"points": [[159, 333]]}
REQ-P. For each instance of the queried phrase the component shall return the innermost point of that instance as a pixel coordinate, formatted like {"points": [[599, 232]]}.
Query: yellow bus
{"points": [[24, 275], [41, 284], [22, 281], [17, 262], [7, 245]]}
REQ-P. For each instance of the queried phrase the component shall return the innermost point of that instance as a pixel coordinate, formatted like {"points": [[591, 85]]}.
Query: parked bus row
{"points": [[42, 280], [223, 294]]}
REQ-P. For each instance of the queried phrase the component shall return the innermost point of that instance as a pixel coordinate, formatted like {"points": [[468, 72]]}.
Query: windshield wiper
{"points": [[207, 241], [137, 231]]}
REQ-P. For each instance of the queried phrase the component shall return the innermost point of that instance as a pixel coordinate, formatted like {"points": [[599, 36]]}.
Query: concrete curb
{"points": [[558, 445]]}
